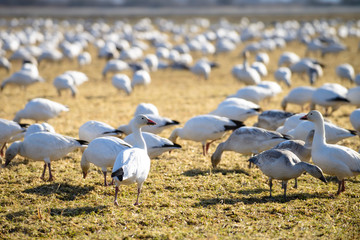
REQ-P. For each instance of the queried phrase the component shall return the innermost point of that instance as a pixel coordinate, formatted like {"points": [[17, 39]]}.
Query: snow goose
{"points": [[357, 79], [152, 62], [26, 76], [4, 63], [333, 133], [44, 146], [254, 94], [290, 123], [355, 120], [288, 58], [9, 129], [202, 69], [345, 71], [133, 165], [283, 74], [52, 54], [161, 124], [69, 80], [353, 95], [272, 119], [299, 96], [115, 66], [274, 87], [240, 102], [245, 74], [84, 58], [141, 77], [248, 140], [262, 57], [329, 95], [282, 164], [33, 128], [94, 129], [260, 68], [102, 152], [204, 128], [146, 108], [40, 109], [335, 160], [234, 112], [122, 82], [307, 66], [155, 144]]}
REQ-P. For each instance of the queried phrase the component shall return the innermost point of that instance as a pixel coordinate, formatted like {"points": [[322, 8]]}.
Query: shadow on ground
{"points": [[197, 172]]}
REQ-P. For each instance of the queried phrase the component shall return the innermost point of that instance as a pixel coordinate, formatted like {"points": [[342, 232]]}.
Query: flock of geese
{"points": [[281, 143]]}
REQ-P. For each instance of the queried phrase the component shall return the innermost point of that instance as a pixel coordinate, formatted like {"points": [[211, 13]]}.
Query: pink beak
{"points": [[305, 117], [151, 122]]}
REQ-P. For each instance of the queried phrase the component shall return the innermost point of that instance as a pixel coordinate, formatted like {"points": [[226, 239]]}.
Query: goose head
{"points": [[11, 152], [312, 116], [142, 120]]}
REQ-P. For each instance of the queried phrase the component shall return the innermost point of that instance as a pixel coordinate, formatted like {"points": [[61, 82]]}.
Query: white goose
{"points": [[283, 74], [202, 69], [4, 63], [335, 160], [204, 128], [122, 82], [44, 146], [146, 108], [94, 129], [84, 58], [9, 129], [102, 152], [345, 71], [33, 128], [240, 102], [248, 140], [299, 96], [155, 144], [355, 120], [353, 95], [244, 73], [284, 165], [254, 94], [40, 109], [133, 165], [235, 112], [141, 77], [260, 68], [272, 119], [288, 58], [115, 66]]}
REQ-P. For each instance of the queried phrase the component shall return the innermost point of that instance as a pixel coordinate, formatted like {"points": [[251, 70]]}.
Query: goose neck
{"points": [[319, 135], [139, 139]]}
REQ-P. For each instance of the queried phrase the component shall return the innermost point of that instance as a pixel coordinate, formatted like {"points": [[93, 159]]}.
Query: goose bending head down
{"points": [[333, 159], [282, 164], [133, 164]]}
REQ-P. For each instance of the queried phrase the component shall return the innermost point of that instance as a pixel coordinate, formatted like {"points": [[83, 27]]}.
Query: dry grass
{"points": [[183, 197]]}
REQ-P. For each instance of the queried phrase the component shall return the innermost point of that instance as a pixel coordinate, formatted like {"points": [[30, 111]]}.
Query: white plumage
{"points": [[345, 71], [299, 96], [115, 66], [8, 129], [283, 74], [122, 82], [272, 119], [94, 129], [245, 74], [40, 109], [141, 77]]}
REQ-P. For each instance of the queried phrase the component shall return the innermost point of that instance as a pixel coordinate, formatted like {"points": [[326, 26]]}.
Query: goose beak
{"points": [[304, 117], [151, 122], [323, 179]]}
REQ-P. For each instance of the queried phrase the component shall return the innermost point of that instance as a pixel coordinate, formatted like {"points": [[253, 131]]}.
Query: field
{"points": [[183, 197]]}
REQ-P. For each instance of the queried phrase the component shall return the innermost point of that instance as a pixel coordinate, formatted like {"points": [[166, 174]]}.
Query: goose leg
{"points": [[270, 185], [208, 146], [105, 183], [204, 150], [343, 185], [2, 150], [43, 173], [285, 186], [296, 182], [339, 187], [137, 198], [116, 193], [50, 174]]}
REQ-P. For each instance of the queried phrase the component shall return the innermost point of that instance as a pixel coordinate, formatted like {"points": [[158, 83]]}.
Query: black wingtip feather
{"points": [[238, 124], [175, 145], [338, 99], [173, 122], [117, 131], [24, 125], [82, 142], [118, 173], [353, 132]]}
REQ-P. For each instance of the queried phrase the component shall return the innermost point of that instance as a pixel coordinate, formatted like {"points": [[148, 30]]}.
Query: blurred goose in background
{"points": [[240, 102], [140, 77], [44, 146], [353, 95], [202, 69], [122, 82], [146, 108], [345, 71], [94, 129], [288, 59], [308, 66], [284, 165], [254, 94], [152, 62], [245, 74], [69, 80], [262, 57], [260, 68], [283, 74], [9, 129], [84, 58], [355, 120], [329, 95], [156, 145], [50, 54], [335, 160], [33, 128], [357, 79], [248, 140], [299, 96], [4, 63], [133, 165], [204, 128], [334, 47], [114, 66], [40, 109], [272, 119], [102, 152]]}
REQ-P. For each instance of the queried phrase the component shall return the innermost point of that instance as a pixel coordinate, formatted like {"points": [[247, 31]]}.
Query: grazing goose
{"points": [[353, 95], [335, 160], [262, 57], [205, 128], [155, 144], [102, 152], [240, 102], [146, 108], [44, 146], [254, 94], [94, 129], [245, 74], [248, 140], [40, 109], [284, 165], [9, 129], [122, 82], [115, 66], [235, 112], [288, 58], [299, 96], [355, 120], [272, 119], [202, 69], [84, 58], [4, 63], [260, 68], [69, 80], [161, 124], [141, 77], [329, 95], [33, 128], [283, 74], [345, 71], [133, 165]]}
